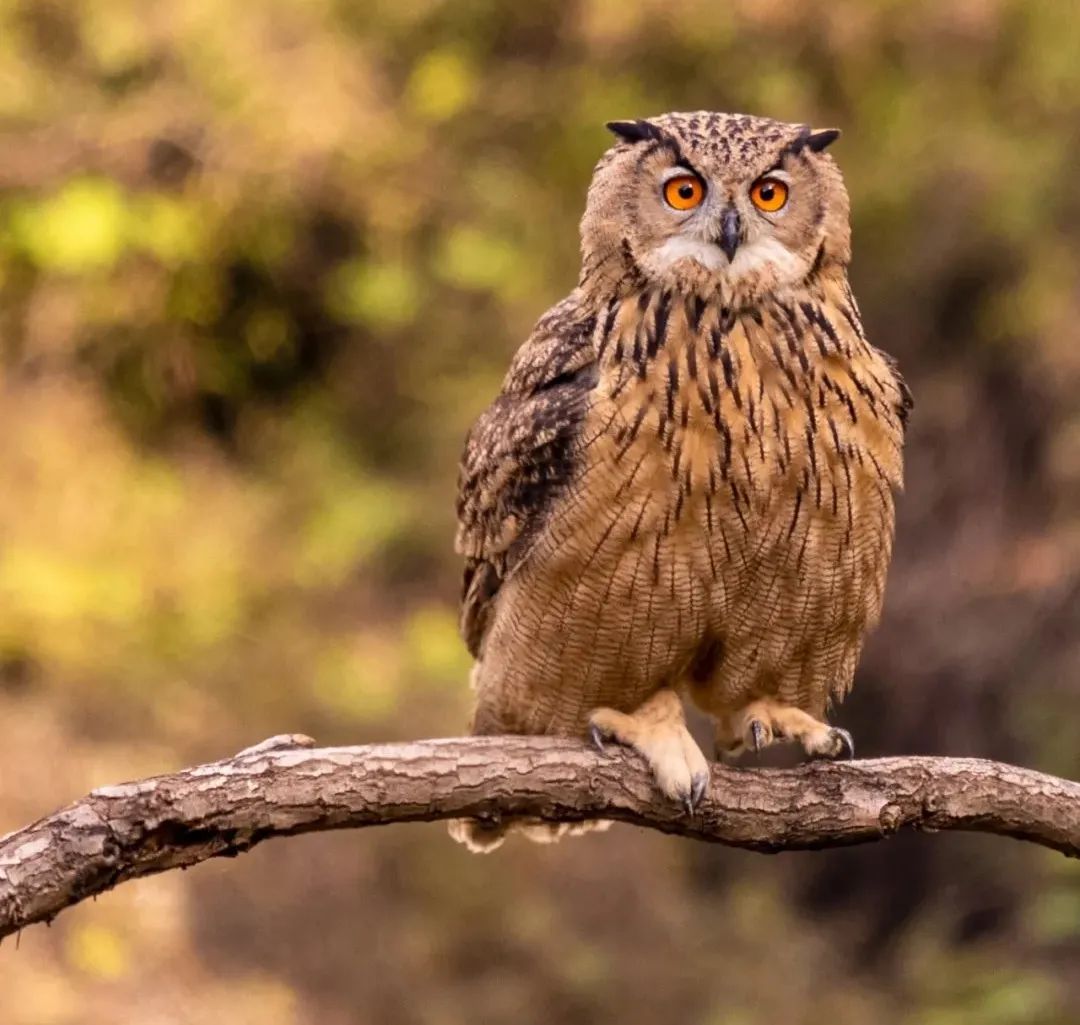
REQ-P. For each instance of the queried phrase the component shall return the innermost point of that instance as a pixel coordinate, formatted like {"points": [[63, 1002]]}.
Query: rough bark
{"points": [[285, 786]]}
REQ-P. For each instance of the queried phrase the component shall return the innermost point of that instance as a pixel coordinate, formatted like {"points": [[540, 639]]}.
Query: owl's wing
{"points": [[519, 455], [905, 400]]}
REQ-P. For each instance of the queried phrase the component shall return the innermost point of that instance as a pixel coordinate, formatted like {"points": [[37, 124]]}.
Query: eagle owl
{"points": [[685, 487]]}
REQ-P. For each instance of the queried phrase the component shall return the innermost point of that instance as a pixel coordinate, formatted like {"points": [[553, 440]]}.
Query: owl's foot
{"points": [[766, 721], [657, 731]]}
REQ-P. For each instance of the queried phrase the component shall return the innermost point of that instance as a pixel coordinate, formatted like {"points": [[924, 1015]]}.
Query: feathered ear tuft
{"points": [[817, 141], [635, 131], [811, 140]]}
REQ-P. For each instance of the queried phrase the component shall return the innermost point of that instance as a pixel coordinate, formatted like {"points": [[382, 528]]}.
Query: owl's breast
{"points": [[738, 442], [732, 485]]}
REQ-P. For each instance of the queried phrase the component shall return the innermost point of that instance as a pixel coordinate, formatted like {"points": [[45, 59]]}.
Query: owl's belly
{"points": [[645, 577], [732, 535]]}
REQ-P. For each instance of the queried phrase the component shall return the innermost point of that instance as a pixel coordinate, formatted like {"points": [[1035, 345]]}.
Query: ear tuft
{"points": [[635, 131], [817, 141]]}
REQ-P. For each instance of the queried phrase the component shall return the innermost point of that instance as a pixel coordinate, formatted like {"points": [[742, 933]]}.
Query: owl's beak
{"points": [[730, 231]]}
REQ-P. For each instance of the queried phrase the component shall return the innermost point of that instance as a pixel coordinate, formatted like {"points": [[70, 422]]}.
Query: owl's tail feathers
{"points": [[482, 837]]}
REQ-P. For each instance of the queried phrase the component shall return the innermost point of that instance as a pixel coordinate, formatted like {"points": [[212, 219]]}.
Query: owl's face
{"points": [[715, 202]]}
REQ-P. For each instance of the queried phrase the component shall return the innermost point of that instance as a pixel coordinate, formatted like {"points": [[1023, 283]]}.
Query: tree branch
{"points": [[285, 786]]}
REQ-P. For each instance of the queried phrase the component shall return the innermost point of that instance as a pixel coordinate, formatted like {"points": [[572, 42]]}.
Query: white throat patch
{"points": [[750, 258], [682, 247], [755, 256]]}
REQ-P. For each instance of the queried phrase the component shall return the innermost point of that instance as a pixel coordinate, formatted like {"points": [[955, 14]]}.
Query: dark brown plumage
{"points": [[686, 484]]}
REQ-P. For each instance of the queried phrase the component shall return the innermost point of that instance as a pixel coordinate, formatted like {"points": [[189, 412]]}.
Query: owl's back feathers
{"points": [[520, 454]]}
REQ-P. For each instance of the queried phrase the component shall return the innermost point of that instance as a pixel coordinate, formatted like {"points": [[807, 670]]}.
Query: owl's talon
{"points": [[847, 743], [657, 731], [834, 745], [698, 787], [699, 783], [596, 735], [765, 720]]}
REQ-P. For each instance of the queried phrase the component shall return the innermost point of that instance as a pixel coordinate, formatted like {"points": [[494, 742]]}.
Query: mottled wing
{"points": [[519, 455], [906, 401], [903, 401]]}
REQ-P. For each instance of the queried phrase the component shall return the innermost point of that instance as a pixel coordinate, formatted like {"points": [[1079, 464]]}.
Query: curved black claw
{"points": [[596, 735], [758, 735], [699, 785], [847, 743]]}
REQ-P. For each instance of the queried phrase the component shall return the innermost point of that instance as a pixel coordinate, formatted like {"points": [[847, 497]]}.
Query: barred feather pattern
{"points": [[670, 491]]}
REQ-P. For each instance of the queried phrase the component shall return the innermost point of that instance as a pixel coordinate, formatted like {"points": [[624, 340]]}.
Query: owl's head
{"points": [[715, 202]]}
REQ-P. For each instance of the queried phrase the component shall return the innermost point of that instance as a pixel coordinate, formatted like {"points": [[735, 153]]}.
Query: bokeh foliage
{"points": [[260, 266]]}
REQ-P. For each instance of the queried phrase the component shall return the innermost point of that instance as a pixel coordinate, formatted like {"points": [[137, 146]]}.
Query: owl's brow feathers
{"points": [[646, 131]]}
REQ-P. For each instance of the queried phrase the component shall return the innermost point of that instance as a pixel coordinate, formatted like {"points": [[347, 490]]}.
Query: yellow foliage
{"points": [[434, 646], [441, 85], [473, 258], [382, 295], [98, 951], [79, 229]]}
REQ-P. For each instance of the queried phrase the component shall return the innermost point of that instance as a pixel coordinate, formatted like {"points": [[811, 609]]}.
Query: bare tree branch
{"points": [[285, 786]]}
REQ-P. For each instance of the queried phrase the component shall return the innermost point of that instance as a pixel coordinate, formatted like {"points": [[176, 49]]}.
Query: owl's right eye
{"points": [[684, 192]]}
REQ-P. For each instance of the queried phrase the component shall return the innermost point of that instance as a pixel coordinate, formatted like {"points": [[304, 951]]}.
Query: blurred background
{"points": [[261, 264]]}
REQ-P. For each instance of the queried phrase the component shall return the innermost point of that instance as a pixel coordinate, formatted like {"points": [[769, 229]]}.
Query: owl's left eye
{"points": [[769, 194], [684, 192]]}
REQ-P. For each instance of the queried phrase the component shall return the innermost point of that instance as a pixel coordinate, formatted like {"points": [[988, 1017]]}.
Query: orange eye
{"points": [[769, 194], [684, 192]]}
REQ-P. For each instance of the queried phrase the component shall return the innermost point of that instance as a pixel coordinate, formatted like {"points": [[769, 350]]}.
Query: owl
{"points": [[685, 489]]}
